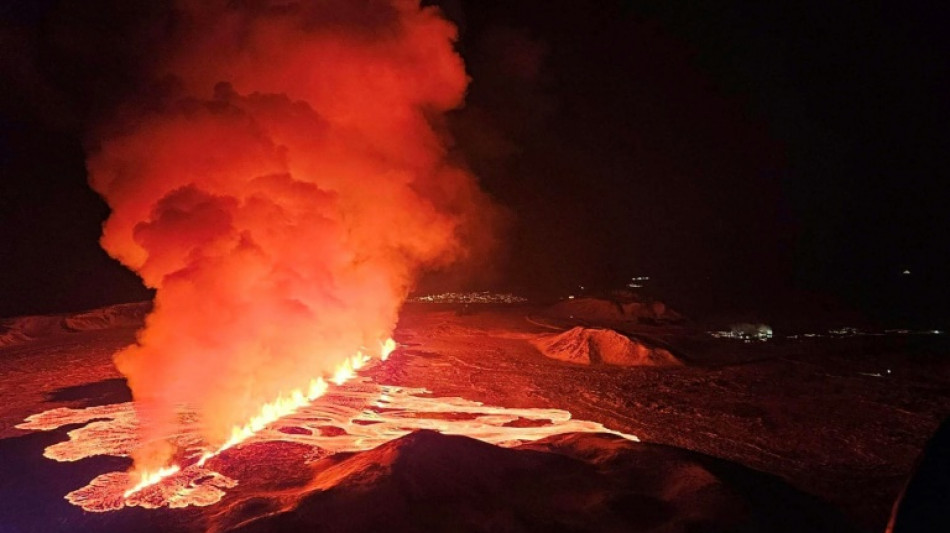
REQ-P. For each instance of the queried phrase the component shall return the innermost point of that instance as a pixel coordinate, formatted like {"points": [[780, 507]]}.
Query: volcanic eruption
{"points": [[280, 184]]}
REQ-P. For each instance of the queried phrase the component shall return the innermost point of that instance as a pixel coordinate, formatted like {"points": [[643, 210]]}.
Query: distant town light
{"points": [[483, 297], [745, 332]]}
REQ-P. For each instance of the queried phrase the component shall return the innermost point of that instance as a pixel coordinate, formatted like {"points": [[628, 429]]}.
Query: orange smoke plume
{"points": [[281, 193]]}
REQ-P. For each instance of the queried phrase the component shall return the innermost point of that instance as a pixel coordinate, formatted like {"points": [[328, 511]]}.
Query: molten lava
{"points": [[271, 412], [151, 478], [362, 414]]}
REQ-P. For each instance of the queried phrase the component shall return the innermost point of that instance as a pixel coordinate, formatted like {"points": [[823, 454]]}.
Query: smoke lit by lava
{"points": [[280, 186]]}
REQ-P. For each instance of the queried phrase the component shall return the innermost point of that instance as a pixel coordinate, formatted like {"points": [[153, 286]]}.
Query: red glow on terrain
{"points": [[361, 414]]}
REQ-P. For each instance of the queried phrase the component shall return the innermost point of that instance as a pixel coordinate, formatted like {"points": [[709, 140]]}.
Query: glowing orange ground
{"points": [[357, 416]]}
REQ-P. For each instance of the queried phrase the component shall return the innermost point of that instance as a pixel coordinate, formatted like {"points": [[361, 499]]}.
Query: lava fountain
{"points": [[280, 185]]}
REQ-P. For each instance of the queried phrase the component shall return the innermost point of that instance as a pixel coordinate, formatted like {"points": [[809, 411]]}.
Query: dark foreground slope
{"points": [[574, 482]]}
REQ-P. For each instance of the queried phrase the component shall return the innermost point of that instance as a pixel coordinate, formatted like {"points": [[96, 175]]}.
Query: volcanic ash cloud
{"points": [[281, 187]]}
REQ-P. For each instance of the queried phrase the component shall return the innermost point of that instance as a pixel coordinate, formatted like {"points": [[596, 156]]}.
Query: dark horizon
{"points": [[749, 159]]}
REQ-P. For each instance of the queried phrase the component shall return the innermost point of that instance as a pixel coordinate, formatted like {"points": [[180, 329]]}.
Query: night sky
{"points": [[749, 157]]}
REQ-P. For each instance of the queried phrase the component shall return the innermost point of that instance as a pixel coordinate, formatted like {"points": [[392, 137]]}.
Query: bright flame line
{"points": [[270, 412]]}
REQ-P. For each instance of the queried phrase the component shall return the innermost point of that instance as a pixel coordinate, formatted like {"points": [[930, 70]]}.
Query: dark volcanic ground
{"points": [[807, 413]]}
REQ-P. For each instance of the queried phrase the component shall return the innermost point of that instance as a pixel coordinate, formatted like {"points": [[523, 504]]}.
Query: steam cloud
{"points": [[281, 191]]}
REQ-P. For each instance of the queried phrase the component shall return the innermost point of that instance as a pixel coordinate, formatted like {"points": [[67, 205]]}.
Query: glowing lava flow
{"points": [[273, 411], [356, 417], [151, 478]]}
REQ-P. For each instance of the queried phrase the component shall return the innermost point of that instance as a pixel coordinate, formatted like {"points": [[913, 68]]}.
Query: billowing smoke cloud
{"points": [[281, 191]]}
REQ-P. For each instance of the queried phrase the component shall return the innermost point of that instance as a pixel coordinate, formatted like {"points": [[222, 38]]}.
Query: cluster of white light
{"points": [[484, 297], [744, 332]]}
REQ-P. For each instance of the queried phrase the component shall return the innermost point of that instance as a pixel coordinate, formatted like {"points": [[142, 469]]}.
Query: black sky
{"points": [[746, 155]]}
